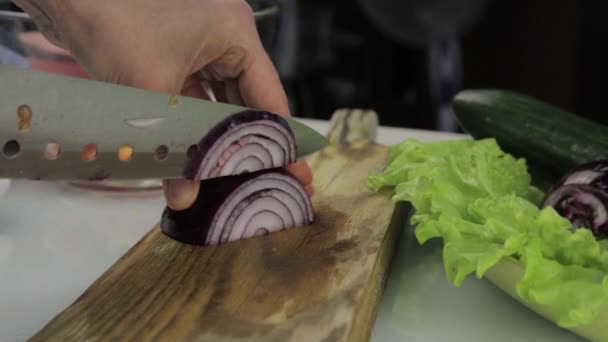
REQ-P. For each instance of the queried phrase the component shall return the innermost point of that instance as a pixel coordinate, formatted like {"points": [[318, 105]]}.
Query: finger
{"points": [[233, 94], [301, 171], [310, 190], [219, 89], [193, 87], [260, 87], [41, 19], [180, 193], [38, 41], [57, 67]]}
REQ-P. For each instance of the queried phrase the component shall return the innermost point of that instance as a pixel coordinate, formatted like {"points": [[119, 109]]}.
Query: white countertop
{"points": [[56, 240]]}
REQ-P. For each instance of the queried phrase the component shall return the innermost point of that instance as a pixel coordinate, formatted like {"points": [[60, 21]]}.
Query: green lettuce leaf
{"points": [[479, 200]]}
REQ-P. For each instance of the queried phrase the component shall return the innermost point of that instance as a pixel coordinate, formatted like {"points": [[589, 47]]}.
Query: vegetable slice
{"points": [[582, 197], [245, 142], [239, 207]]}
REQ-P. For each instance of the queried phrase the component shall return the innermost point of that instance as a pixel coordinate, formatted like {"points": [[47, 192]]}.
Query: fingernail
{"points": [[180, 193]]}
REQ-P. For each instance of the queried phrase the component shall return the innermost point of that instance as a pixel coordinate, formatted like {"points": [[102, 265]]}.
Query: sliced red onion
{"points": [[248, 141], [239, 207], [581, 196]]}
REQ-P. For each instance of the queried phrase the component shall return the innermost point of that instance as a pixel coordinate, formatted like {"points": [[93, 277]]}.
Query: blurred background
{"points": [[407, 58]]}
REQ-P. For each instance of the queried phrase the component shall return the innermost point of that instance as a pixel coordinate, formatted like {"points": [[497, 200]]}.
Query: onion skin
{"points": [[214, 217], [267, 139], [581, 196]]}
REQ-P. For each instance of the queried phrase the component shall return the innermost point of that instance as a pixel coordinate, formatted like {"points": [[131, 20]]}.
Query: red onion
{"points": [[239, 207], [581, 196], [244, 142]]}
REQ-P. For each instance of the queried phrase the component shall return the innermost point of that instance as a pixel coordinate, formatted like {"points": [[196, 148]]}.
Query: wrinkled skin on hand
{"points": [[172, 47]]}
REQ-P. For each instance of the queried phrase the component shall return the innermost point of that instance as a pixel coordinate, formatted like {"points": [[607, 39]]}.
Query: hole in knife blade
{"points": [[161, 153], [192, 151], [11, 149], [24, 112], [52, 150], [89, 152], [173, 101], [125, 152], [144, 123]]}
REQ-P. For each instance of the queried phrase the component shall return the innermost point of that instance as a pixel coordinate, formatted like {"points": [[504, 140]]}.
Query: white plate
{"points": [[419, 304]]}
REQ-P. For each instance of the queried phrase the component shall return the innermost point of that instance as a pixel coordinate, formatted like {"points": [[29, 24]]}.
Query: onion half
{"points": [[581, 196], [245, 142], [239, 207]]}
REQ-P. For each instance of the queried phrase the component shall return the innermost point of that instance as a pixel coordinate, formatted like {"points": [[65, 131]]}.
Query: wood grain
{"points": [[317, 283]]}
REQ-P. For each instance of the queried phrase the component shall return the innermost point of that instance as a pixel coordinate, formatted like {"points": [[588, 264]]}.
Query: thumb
{"points": [[179, 193]]}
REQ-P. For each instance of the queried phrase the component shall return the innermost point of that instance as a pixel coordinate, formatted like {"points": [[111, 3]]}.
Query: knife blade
{"points": [[43, 113]]}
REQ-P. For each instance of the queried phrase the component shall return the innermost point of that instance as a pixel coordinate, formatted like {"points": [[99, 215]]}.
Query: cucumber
{"points": [[548, 137]]}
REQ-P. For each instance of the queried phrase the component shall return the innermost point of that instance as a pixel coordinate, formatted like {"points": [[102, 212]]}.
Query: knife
{"points": [[48, 120]]}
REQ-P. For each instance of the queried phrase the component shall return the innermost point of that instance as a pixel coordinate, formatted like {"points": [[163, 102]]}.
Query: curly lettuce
{"points": [[480, 201]]}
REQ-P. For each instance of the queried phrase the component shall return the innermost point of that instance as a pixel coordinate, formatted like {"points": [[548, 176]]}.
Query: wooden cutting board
{"points": [[317, 283]]}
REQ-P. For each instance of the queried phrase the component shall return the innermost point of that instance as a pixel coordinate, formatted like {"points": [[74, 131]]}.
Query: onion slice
{"points": [[581, 196], [239, 207], [245, 142]]}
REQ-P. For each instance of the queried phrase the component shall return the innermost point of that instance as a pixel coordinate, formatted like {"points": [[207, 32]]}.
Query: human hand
{"points": [[171, 47], [44, 56]]}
